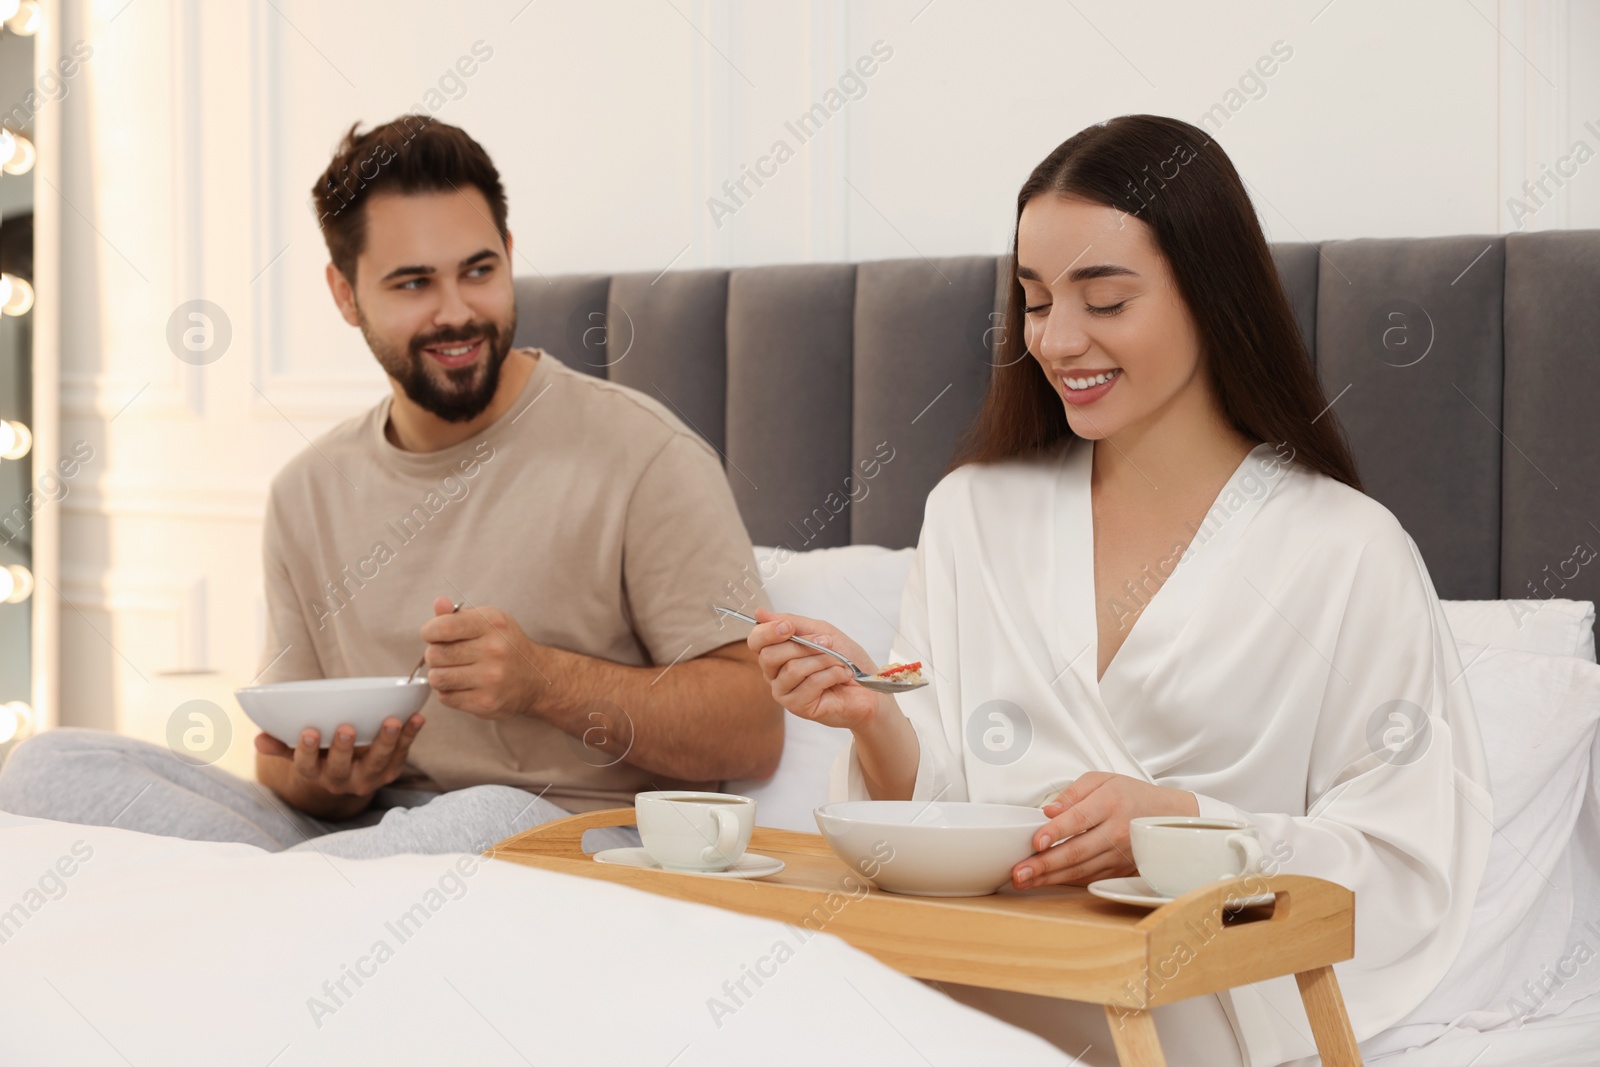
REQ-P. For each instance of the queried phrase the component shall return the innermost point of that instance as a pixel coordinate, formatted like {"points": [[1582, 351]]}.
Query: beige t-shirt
{"points": [[589, 513]]}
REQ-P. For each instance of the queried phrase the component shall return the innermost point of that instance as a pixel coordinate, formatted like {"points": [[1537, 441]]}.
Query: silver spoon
{"points": [[866, 681], [424, 658]]}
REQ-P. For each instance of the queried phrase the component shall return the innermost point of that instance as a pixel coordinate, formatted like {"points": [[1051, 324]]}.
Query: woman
{"points": [[1152, 585]]}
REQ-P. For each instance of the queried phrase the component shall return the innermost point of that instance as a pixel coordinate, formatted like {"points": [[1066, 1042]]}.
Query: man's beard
{"points": [[471, 388]]}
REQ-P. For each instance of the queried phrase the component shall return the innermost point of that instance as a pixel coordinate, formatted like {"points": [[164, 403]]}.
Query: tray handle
{"points": [[563, 837], [1311, 925]]}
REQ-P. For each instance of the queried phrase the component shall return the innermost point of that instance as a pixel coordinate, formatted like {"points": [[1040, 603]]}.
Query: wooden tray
{"points": [[1058, 941]]}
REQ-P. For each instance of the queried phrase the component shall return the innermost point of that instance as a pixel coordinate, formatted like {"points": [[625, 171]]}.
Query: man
{"points": [[582, 529]]}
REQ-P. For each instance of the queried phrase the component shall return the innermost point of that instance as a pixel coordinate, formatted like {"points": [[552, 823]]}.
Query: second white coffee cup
{"points": [[685, 830], [1177, 854]]}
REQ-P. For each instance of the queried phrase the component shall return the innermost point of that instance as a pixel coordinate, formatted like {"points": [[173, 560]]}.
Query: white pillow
{"points": [[1553, 627], [856, 588], [1538, 715], [1586, 860]]}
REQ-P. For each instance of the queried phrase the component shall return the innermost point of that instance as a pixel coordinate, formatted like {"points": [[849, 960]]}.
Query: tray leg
{"points": [[1134, 1035], [1330, 1024]]}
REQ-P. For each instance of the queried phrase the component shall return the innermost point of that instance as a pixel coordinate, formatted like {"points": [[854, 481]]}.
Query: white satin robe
{"points": [[1259, 676]]}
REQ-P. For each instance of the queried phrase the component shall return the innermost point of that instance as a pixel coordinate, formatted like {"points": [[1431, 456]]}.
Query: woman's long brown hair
{"points": [[1176, 180]]}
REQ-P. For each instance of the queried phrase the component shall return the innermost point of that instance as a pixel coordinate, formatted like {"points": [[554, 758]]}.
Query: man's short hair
{"points": [[412, 154]]}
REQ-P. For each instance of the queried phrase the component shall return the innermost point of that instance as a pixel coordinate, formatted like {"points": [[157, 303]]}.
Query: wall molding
{"points": [[713, 82], [1535, 105], [188, 185], [288, 393], [317, 397], [180, 393], [167, 502], [150, 595], [105, 395], [49, 223], [314, 397], [828, 198]]}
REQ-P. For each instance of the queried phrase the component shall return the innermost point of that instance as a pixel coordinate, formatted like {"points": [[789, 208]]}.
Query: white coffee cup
{"points": [[1175, 854], [689, 831]]}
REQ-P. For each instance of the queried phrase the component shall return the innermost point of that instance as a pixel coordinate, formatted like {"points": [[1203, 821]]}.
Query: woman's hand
{"points": [[1089, 819], [810, 684]]}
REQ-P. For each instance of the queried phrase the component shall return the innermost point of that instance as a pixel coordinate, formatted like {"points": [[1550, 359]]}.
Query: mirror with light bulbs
{"points": [[19, 20]]}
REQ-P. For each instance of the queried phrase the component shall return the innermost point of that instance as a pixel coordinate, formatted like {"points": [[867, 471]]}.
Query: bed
{"points": [[1462, 368]]}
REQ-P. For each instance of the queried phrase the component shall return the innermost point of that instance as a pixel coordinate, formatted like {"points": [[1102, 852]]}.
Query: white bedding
{"points": [[1570, 1039], [154, 950], [160, 951]]}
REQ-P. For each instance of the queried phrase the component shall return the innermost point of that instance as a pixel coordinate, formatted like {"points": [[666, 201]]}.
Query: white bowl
{"points": [[931, 849], [284, 709]]}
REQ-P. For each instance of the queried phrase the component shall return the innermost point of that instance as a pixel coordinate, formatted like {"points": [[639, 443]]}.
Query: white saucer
{"points": [[1137, 891], [749, 865]]}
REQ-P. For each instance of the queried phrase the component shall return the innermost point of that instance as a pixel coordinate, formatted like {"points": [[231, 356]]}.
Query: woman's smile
{"points": [[1086, 388]]}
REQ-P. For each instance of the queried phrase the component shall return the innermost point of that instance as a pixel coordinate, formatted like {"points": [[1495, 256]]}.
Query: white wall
{"points": [[192, 140]]}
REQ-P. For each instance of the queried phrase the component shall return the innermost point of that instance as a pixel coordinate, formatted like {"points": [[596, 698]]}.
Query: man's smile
{"points": [[453, 354]]}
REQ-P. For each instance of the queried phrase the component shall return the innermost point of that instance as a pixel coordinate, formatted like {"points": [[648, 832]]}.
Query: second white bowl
{"points": [[931, 849]]}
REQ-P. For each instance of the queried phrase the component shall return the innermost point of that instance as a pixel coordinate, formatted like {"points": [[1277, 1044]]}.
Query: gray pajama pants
{"points": [[99, 778]]}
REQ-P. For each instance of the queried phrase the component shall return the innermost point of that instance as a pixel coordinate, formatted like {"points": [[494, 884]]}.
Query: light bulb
{"points": [[21, 583], [8, 583], [25, 23], [15, 440], [16, 295], [22, 155], [16, 720], [8, 140]]}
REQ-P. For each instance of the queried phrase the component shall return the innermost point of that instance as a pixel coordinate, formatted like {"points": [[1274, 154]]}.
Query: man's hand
{"points": [[481, 662], [339, 782]]}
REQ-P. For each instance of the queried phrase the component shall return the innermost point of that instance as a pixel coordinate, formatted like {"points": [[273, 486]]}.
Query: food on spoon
{"points": [[909, 673]]}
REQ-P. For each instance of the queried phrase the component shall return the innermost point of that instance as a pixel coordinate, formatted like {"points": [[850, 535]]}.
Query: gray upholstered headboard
{"points": [[1466, 371]]}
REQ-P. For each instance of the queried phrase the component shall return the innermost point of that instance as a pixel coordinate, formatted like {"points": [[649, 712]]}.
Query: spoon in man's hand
{"points": [[413, 675], [867, 681]]}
